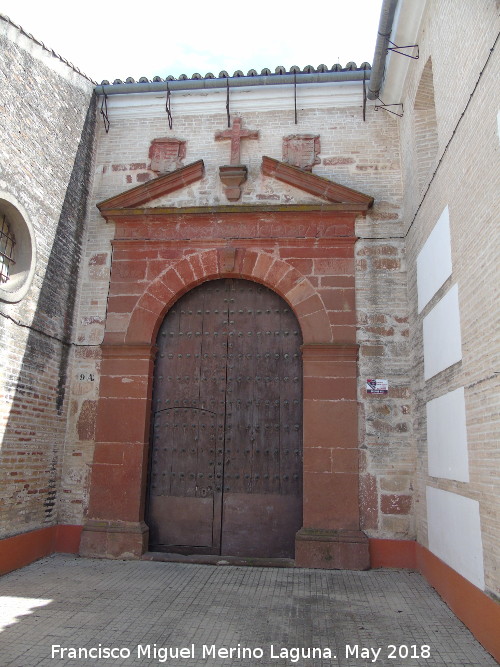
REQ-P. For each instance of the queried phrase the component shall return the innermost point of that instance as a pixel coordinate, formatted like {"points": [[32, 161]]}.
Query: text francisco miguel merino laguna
{"points": [[210, 651]]}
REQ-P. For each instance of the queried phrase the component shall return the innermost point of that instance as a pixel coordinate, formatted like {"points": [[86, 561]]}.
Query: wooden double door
{"points": [[226, 454]]}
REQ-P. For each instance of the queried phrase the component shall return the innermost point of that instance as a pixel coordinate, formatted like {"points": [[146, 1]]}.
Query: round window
{"points": [[17, 249]]}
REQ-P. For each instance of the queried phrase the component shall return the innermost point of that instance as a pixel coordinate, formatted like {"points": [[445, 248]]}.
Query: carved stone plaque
{"points": [[166, 154], [301, 150]]}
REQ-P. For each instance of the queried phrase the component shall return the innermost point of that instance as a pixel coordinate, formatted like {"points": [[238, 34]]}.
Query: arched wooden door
{"points": [[226, 455]]}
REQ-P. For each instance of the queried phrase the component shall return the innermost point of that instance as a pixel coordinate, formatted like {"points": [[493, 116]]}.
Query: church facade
{"points": [[257, 315]]}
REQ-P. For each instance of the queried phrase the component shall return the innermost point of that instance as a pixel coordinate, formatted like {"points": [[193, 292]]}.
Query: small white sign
{"points": [[377, 386]]}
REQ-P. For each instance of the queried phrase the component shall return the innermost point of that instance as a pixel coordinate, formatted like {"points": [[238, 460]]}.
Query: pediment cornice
{"points": [[136, 201], [158, 187], [314, 185]]}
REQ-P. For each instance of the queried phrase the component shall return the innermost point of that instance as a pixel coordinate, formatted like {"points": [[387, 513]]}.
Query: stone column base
{"points": [[114, 539], [332, 549]]}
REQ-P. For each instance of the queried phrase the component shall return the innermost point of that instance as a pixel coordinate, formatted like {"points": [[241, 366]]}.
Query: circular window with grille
{"points": [[17, 249]]}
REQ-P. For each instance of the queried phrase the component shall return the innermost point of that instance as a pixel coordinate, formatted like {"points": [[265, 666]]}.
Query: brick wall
{"points": [[466, 166], [360, 155], [51, 163], [46, 143], [425, 130]]}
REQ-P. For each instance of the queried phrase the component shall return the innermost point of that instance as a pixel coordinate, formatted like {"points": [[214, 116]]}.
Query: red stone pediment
{"points": [[338, 196], [314, 185], [158, 187]]}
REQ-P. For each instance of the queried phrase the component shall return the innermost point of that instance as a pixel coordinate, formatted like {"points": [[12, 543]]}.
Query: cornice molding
{"points": [[208, 211], [243, 99], [315, 185], [158, 187]]}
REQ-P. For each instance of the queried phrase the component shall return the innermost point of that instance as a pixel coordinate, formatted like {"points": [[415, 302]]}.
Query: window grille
{"points": [[7, 243]]}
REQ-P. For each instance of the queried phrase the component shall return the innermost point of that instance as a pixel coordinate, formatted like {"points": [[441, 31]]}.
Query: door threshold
{"points": [[204, 559]]}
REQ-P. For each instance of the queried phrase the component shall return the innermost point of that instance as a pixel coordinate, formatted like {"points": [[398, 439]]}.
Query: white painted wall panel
{"points": [[447, 437], [442, 338], [454, 530], [434, 261]]}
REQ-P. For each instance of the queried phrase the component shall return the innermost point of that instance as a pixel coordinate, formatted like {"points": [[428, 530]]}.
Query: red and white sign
{"points": [[377, 386]]}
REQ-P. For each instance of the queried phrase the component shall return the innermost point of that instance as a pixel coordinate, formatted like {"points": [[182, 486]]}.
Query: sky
{"points": [[110, 39]]}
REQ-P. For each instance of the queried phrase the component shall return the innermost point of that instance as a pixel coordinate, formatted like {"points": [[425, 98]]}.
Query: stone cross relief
{"points": [[234, 174]]}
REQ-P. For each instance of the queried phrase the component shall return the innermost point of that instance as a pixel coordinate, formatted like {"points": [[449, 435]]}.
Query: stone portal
{"points": [[305, 256]]}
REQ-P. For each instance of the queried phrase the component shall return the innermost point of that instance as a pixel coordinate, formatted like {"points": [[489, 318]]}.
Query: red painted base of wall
{"points": [[480, 613], [475, 609], [21, 550], [393, 553]]}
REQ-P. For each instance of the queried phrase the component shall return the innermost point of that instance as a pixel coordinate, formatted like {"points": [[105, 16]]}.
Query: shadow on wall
{"points": [[30, 456]]}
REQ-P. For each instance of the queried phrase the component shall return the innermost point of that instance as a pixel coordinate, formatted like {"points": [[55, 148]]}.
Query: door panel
{"points": [[182, 477], [227, 424], [260, 525], [189, 524]]}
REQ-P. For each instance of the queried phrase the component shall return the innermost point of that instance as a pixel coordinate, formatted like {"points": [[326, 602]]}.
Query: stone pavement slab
{"points": [[179, 614]]}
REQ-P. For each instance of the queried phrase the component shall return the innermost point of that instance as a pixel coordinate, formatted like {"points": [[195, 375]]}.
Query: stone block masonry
{"points": [[386, 444], [151, 268]]}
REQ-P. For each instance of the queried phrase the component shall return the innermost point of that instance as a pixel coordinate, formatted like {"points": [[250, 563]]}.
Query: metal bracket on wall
{"points": [[397, 49], [167, 108], [385, 107], [295, 94], [104, 111], [364, 95]]}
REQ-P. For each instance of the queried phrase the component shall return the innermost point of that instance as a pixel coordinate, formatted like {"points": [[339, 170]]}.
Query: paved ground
{"points": [[138, 606]]}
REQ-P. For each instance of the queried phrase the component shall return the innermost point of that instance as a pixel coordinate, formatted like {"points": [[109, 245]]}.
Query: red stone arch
{"points": [[260, 267], [115, 526], [322, 236]]}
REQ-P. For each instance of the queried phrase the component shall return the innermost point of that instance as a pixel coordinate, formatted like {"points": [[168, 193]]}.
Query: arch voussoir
{"points": [[185, 272], [277, 271], [245, 263], [141, 327], [249, 260], [210, 263], [196, 266], [262, 266]]}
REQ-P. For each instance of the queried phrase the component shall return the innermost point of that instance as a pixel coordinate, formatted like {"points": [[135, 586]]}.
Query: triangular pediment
{"points": [[154, 189], [155, 195], [314, 185]]}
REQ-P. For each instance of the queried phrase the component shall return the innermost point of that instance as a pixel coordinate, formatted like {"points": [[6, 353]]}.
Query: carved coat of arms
{"points": [[301, 150], [166, 154]]}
